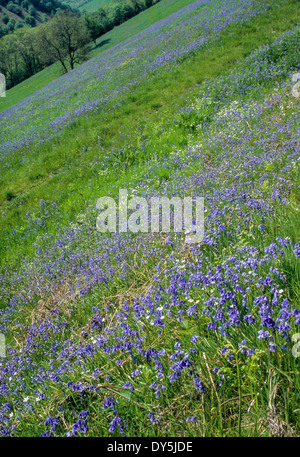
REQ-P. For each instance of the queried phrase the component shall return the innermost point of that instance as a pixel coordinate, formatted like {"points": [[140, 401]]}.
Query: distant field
{"points": [[117, 35], [93, 5], [86, 5]]}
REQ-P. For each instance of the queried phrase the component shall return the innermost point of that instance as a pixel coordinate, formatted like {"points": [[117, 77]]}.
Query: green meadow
{"points": [[119, 34], [141, 334]]}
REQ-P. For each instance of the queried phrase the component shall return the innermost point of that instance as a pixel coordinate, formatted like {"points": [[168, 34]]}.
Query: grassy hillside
{"points": [[93, 5], [143, 334], [119, 34], [86, 5]]}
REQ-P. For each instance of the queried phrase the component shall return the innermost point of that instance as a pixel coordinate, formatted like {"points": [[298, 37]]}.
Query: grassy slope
{"points": [[223, 409], [86, 5], [140, 22], [112, 38], [141, 108], [93, 5]]}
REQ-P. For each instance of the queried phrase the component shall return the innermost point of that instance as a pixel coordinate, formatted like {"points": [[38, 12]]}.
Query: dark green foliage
{"points": [[38, 10], [32, 11], [64, 39], [18, 25], [11, 6], [11, 24], [30, 20]]}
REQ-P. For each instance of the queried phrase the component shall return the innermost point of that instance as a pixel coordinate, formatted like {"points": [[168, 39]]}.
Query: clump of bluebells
{"points": [[51, 423], [81, 426]]}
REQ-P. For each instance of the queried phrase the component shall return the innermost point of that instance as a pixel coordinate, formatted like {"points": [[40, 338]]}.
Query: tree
{"points": [[26, 43], [92, 26], [24, 4], [127, 11], [32, 11], [13, 8], [30, 21], [96, 23], [19, 25], [9, 63], [5, 19], [65, 39], [11, 24]]}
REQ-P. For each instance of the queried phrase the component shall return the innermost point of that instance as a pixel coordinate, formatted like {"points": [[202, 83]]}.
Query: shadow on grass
{"points": [[102, 43]]}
